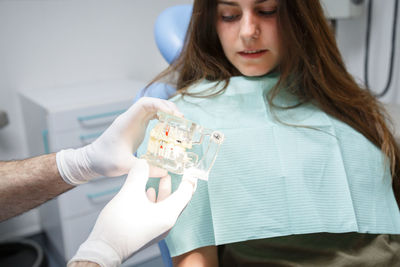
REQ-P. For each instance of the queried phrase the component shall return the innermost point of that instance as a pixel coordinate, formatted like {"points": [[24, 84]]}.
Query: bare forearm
{"points": [[26, 184], [200, 257]]}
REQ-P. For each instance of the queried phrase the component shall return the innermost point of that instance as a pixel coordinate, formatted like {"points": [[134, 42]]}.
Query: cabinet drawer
{"points": [[89, 197], [86, 118], [77, 230]]}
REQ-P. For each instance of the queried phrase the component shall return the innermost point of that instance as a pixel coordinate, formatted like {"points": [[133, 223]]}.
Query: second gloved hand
{"points": [[112, 153], [131, 221]]}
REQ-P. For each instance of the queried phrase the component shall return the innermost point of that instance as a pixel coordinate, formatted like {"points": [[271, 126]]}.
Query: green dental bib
{"points": [[271, 179]]}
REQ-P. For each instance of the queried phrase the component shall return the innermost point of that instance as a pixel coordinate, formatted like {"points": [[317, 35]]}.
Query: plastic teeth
{"points": [[252, 52]]}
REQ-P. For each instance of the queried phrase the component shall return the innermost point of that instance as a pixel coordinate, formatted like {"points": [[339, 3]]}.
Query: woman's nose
{"points": [[249, 28]]}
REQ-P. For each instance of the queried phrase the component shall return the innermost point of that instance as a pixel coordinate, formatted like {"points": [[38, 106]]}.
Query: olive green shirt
{"points": [[320, 249]]}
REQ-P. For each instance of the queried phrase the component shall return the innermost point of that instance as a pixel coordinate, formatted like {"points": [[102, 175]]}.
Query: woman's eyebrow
{"points": [[231, 3]]}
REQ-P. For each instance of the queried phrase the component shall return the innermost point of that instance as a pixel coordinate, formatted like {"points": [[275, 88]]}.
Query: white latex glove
{"points": [[112, 153], [131, 220]]}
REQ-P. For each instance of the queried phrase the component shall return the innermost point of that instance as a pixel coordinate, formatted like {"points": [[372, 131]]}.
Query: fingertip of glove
{"points": [[157, 171], [178, 114]]}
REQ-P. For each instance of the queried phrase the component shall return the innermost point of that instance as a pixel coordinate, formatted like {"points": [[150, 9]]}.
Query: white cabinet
{"points": [[70, 117]]}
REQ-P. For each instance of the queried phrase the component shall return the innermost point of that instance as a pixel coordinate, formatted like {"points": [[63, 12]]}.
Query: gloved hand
{"points": [[112, 153], [131, 221]]}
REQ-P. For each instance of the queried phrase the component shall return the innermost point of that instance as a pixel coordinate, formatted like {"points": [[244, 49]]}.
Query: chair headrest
{"points": [[170, 30]]}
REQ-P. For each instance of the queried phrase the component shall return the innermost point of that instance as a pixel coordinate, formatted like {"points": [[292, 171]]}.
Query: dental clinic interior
{"points": [[68, 68]]}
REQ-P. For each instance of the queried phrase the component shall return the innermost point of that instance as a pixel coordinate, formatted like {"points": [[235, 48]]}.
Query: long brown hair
{"points": [[311, 68]]}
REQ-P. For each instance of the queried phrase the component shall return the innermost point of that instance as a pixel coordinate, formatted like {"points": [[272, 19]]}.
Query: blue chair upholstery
{"points": [[170, 30], [159, 90], [169, 33]]}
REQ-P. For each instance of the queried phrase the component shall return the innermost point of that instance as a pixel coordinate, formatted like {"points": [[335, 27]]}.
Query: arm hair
{"points": [[25, 184]]}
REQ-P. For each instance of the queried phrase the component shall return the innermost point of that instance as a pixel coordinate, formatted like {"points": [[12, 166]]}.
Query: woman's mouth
{"points": [[252, 53]]}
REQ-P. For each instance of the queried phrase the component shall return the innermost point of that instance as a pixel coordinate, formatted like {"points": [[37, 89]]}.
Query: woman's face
{"points": [[247, 30]]}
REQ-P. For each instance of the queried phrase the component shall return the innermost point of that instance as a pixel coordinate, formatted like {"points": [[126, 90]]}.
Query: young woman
{"points": [[309, 173]]}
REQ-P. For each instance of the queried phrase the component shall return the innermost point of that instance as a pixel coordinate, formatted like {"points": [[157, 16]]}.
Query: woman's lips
{"points": [[252, 53]]}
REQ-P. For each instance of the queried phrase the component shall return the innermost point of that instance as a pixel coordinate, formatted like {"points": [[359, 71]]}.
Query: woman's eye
{"points": [[229, 18], [267, 12]]}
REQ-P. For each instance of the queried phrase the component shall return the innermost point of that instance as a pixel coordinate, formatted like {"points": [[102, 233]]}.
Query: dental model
{"points": [[173, 136]]}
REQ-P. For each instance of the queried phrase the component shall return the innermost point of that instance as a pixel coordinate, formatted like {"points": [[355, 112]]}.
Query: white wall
{"points": [[351, 40], [56, 42], [49, 43]]}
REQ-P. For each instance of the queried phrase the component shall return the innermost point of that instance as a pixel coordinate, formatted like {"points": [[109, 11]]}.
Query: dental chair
{"points": [[169, 33]]}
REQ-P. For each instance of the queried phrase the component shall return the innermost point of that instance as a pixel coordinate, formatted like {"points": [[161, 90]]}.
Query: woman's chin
{"points": [[255, 72]]}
